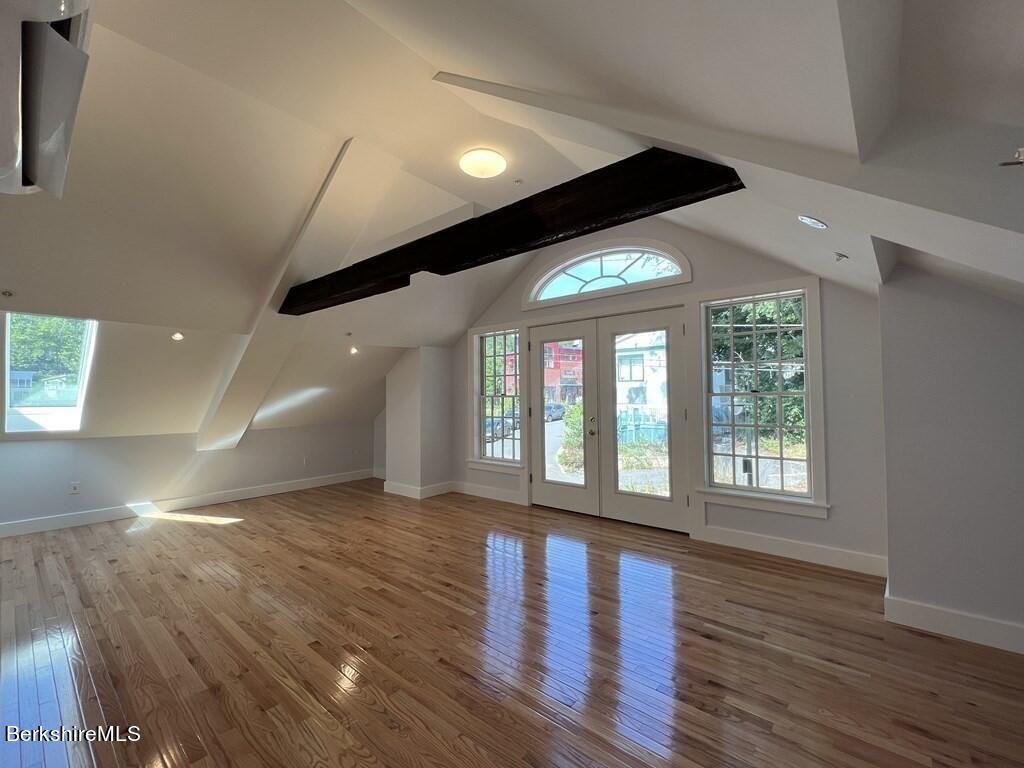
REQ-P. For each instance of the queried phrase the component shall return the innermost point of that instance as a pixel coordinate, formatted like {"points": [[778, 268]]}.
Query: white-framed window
{"points": [[47, 363], [758, 431], [498, 418], [605, 271], [630, 367]]}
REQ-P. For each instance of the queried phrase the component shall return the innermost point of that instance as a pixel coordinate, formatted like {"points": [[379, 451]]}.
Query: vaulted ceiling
{"points": [[226, 150]]}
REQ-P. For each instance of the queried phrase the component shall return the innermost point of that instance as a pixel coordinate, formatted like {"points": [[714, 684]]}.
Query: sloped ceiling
{"points": [[181, 194], [324, 383], [143, 383], [326, 64], [207, 130], [965, 59], [730, 64]]}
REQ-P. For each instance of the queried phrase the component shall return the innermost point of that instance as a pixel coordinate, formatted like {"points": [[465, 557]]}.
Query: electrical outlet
{"points": [[73, 487]]}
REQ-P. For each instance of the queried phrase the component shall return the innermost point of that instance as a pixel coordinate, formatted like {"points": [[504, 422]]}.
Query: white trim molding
{"points": [[417, 491], [501, 467], [763, 502], [997, 633], [847, 559], [255, 491], [495, 494], [91, 516], [68, 520], [456, 486]]}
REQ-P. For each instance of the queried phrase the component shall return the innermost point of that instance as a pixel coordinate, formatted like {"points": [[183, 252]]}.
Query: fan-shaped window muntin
{"points": [[607, 271]]}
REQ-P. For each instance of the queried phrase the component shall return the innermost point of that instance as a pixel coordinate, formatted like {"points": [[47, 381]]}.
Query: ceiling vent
{"points": [[42, 69]]}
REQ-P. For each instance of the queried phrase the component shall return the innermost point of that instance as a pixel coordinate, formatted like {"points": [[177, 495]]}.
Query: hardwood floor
{"points": [[344, 626]]}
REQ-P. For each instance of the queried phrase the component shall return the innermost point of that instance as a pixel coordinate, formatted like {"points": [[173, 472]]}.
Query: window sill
{"points": [[766, 503], [42, 420], [502, 467]]}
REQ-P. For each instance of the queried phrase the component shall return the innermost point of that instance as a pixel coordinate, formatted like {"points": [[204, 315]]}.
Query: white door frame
{"points": [[598, 496], [576, 498], [671, 512]]}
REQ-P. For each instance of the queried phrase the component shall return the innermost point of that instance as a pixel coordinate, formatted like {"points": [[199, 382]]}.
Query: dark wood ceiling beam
{"points": [[648, 183]]}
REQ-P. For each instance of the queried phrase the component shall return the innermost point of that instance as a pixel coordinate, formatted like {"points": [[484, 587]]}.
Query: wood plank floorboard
{"points": [[343, 626]]}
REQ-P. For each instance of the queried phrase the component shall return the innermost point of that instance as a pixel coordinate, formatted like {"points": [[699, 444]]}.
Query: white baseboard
{"points": [[252, 492], [88, 517], [1007, 635], [380, 473], [454, 486], [69, 520], [848, 559], [418, 491], [487, 492]]}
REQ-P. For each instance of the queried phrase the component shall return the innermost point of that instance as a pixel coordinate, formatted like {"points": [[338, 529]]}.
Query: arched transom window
{"points": [[608, 271]]}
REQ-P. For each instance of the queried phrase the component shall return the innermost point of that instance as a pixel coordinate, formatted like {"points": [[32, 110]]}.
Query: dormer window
{"points": [[48, 360]]}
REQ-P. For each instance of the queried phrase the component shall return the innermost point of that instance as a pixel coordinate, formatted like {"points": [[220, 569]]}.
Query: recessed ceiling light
{"points": [[812, 222], [354, 351], [483, 163], [177, 336]]}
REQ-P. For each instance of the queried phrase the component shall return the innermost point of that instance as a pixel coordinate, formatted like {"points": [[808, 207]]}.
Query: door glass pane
{"points": [[641, 413], [564, 449]]}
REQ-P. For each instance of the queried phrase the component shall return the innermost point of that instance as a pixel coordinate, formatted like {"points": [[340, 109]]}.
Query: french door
{"points": [[563, 417], [607, 418]]}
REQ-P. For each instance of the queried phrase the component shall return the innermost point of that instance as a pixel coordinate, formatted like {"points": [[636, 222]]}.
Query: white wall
{"points": [[419, 422], [435, 415], [403, 419], [380, 441], [953, 362], [34, 474], [853, 534]]}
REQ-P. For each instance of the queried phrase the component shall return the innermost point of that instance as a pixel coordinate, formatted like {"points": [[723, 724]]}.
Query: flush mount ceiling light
{"points": [[177, 336], [482, 163], [812, 222], [354, 351]]}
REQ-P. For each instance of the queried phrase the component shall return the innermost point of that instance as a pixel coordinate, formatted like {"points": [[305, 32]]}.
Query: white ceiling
{"points": [[323, 383], [207, 129], [181, 193], [143, 383], [965, 59], [732, 64]]}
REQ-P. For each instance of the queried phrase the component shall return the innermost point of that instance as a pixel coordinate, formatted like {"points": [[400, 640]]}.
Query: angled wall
{"points": [[953, 361], [418, 423], [114, 472]]}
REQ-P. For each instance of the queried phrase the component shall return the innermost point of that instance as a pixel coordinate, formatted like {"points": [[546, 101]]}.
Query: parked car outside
{"points": [[513, 414], [494, 429], [554, 412]]}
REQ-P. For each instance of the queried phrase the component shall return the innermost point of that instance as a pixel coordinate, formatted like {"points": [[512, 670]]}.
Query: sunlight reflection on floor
{"points": [[149, 510]]}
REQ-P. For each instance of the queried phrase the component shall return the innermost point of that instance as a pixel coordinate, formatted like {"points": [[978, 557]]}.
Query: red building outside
{"points": [[563, 372]]}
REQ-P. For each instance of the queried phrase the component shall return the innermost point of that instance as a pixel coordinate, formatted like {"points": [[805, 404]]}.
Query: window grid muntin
{"points": [[498, 372], [717, 428], [634, 256]]}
